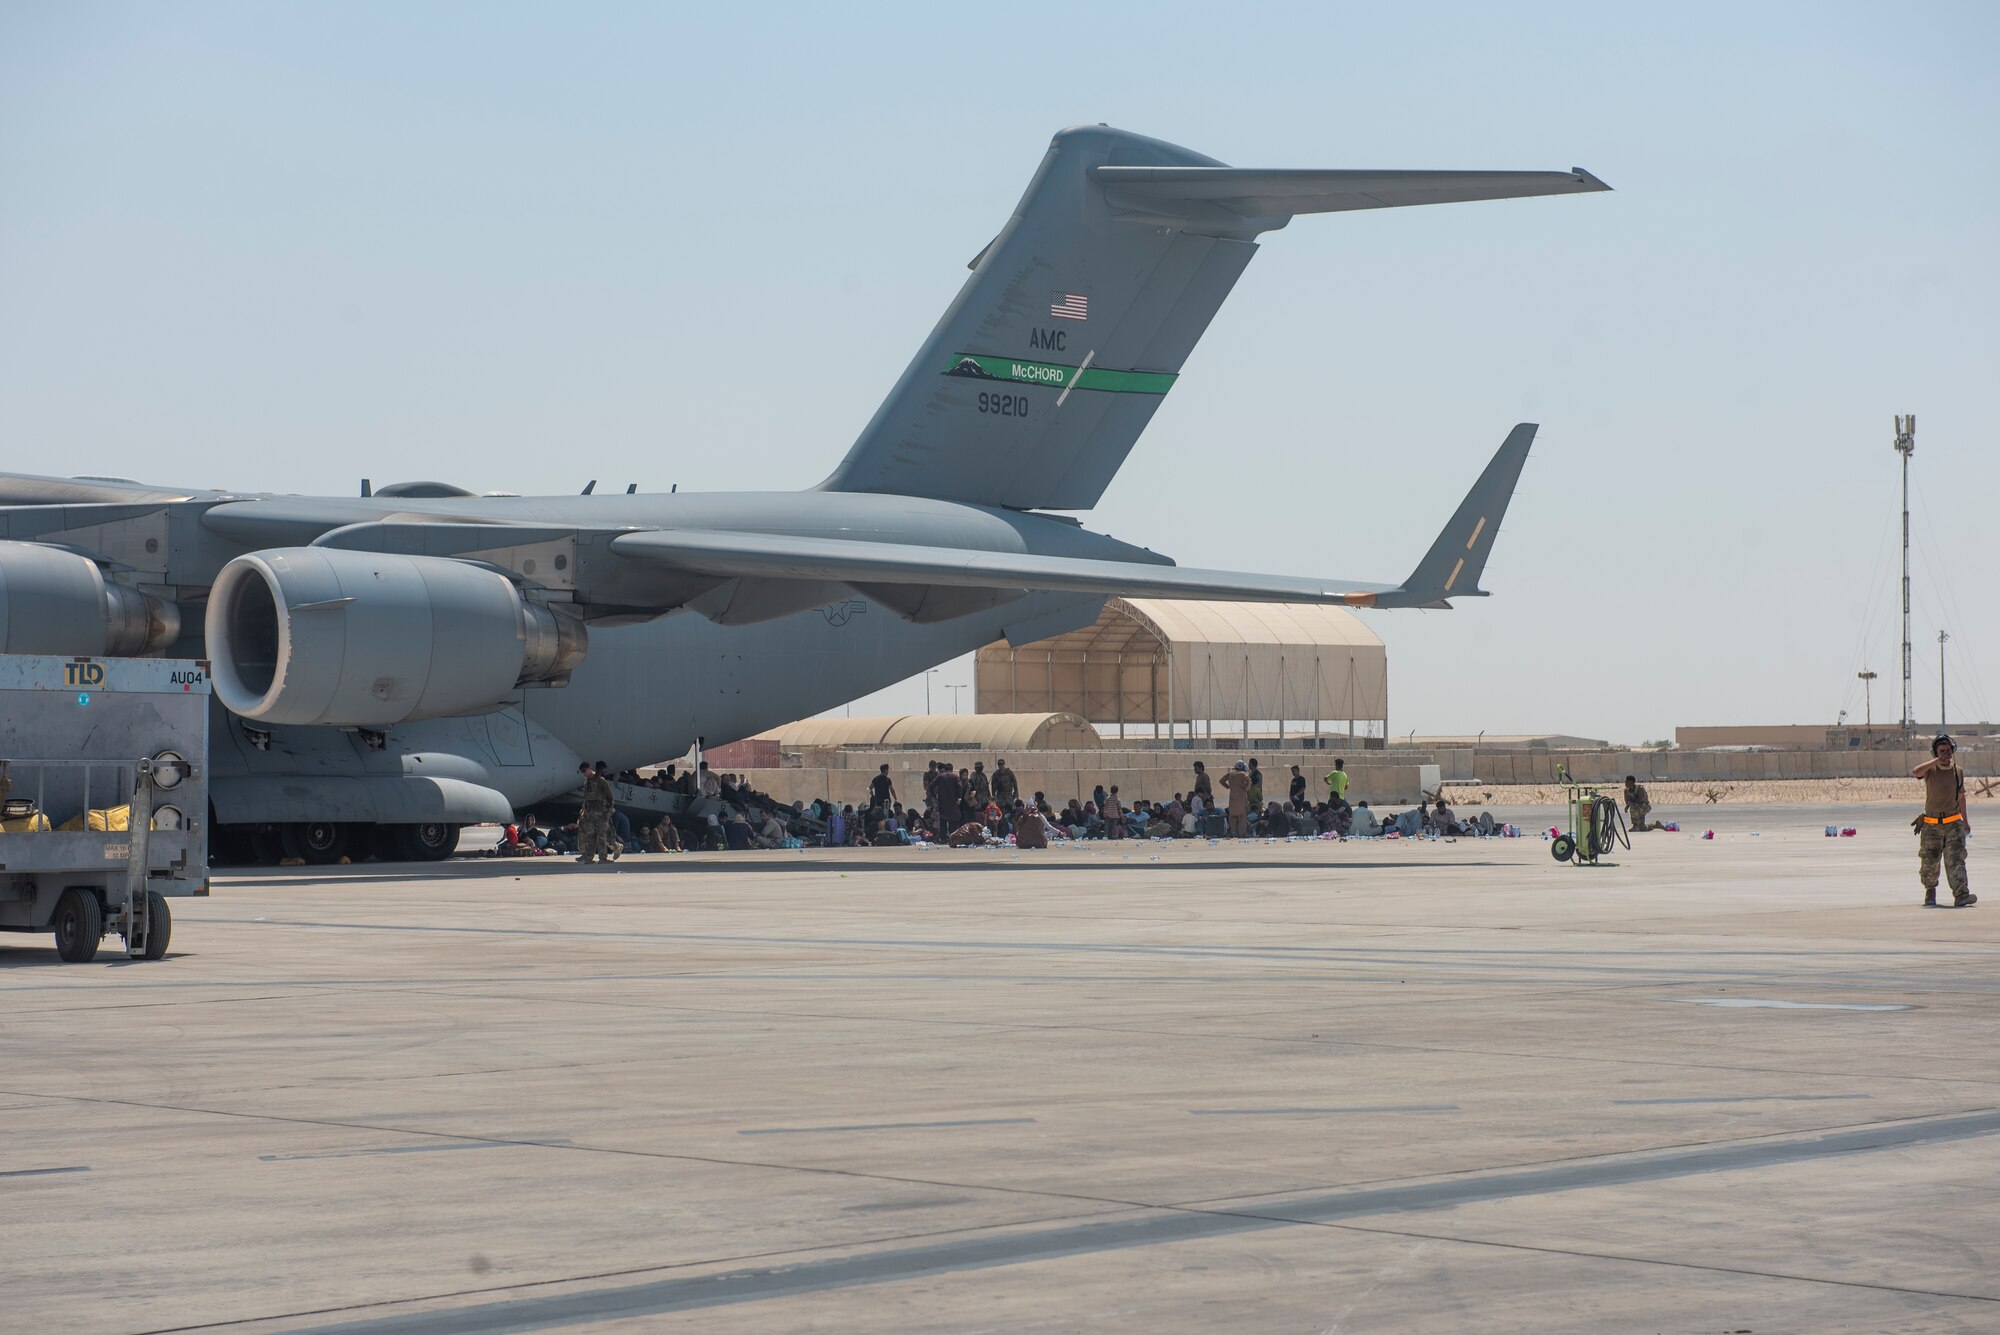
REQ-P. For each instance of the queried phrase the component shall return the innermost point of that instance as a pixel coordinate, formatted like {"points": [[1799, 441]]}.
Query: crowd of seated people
{"points": [[967, 806]]}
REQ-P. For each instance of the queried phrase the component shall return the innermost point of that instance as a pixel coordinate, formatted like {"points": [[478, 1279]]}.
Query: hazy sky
{"points": [[521, 246]]}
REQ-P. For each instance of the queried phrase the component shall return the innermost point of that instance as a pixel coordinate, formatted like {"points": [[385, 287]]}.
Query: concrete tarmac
{"points": [[1732, 1085]]}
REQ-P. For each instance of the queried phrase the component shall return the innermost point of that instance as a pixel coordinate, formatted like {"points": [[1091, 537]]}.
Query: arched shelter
{"points": [[1167, 666], [990, 732]]}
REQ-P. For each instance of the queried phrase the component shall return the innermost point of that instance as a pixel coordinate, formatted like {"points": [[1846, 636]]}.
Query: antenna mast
{"points": [[1906, 445]]}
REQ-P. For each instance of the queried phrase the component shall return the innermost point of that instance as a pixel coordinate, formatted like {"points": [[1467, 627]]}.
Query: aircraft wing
{"points": [[1259, 193], [1450, 569], [786, 557]]}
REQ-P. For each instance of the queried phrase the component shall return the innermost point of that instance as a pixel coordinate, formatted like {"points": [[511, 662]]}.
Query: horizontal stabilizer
{"points": [[1262, 193]]}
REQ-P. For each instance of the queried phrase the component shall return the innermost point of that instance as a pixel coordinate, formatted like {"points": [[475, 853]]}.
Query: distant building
{"points": [[1496, 741]]}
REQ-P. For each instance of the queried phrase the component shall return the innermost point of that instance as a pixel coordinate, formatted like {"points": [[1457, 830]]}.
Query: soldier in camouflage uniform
{"points": [[593, 826], [1639, 807], [1941, 829]]}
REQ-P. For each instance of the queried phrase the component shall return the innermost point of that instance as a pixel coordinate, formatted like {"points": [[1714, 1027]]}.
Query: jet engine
{"points": [[363, 639], [54, 601]]}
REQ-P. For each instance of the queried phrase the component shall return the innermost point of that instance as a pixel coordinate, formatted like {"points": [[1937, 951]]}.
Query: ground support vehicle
{"points": [[103, 798], [1596, 826]]}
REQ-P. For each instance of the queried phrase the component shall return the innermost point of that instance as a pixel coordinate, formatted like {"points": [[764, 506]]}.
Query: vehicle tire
{"points": [[159, 925], [1562, 849], [429, 842], [318, 842], [79, 926]]}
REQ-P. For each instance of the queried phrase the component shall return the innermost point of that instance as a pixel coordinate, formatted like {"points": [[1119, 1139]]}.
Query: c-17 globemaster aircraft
{"points": [[384, 667]]}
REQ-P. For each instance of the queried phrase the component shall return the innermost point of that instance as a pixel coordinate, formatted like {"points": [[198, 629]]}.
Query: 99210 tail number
{"points": [[1003, 405]]}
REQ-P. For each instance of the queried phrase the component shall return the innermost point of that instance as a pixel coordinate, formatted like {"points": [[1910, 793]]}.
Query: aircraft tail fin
{"points": [[1453, 565], [1078, 317]]}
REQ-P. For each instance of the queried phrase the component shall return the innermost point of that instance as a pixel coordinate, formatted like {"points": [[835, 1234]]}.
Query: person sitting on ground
{"points": [[770, 834], [1639, 807], [1441, 819], [969, 835], [649, 839], [1363, 822], [1277, 821], [1030, 831], [736, 831]]}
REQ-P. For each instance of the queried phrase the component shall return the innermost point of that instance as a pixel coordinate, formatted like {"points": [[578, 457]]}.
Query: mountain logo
{"points": [[970, 367]]}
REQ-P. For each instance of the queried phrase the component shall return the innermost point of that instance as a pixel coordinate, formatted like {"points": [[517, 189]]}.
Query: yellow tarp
{"points": [[106, 820], [24, 824]]}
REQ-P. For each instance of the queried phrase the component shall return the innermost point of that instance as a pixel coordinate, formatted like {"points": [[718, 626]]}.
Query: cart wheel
{"points": [[79, 926], [1562, 848], [316, 841], [159, 925]]}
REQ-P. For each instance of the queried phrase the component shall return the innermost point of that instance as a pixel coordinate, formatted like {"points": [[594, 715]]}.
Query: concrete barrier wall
{"points": [[1379, 777], [1066, 774], [1539, 767]]}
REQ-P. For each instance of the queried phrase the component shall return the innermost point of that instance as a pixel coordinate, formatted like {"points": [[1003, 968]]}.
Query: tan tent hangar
{"points": [[1173, 668]]}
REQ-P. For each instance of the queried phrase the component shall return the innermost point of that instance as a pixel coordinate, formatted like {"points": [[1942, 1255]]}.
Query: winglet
{"points": [[1452, 567]]}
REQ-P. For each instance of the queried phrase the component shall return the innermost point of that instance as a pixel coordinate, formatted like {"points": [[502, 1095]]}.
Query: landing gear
{"points": [[321, 842], [429, 842], [79, 926], [316, 841]]}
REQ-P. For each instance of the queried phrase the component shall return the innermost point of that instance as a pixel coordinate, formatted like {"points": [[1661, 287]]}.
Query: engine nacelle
{"points": [[57, 602], [363, 639]]}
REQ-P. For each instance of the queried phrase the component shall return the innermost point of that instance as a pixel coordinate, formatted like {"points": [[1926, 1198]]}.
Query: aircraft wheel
{"points": [[432, 841], [317, 841], [79, 926], [159, 925], [1562, 848]]}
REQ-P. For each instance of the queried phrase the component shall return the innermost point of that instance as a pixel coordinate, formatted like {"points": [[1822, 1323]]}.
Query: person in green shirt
{"points": [[1336, 782]]}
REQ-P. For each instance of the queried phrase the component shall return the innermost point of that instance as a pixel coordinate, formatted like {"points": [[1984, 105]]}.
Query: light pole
{"points": [[954, 687], [1868, 694], [927, 688], [1943, 635], [1906, 445]]}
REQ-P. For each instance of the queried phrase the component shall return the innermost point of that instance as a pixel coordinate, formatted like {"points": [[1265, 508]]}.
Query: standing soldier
{"points": [[978, 789], [1006, 788], [593, 826], [1941, 829]]}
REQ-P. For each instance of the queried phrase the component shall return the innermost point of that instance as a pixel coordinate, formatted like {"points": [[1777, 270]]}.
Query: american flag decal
{"points": [[1070, 306]]}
